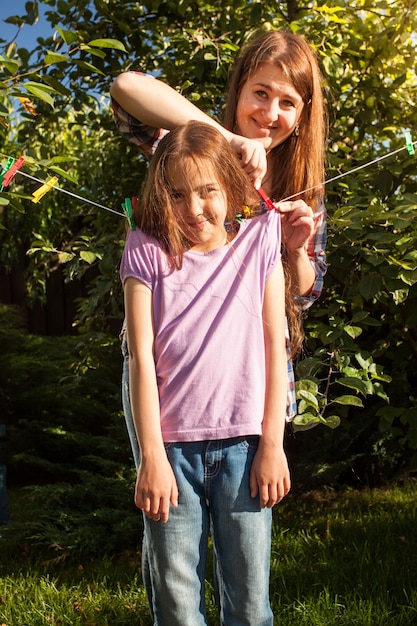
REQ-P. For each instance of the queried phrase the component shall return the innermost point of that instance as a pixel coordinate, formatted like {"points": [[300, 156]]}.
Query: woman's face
{"points": [[269, 107]]}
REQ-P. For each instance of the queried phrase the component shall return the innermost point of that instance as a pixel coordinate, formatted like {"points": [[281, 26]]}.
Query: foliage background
{"points": [[357, 375]]}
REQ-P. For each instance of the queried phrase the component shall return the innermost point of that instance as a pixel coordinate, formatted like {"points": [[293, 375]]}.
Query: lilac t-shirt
{"points": [[209, 345]]}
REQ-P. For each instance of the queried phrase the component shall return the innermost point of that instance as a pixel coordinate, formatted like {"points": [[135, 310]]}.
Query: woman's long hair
{"points": [[298, 162]]}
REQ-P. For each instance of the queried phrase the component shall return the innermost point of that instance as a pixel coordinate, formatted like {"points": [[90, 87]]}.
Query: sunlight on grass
{"points": [[338, 559], [31, 599], [346, 558]]}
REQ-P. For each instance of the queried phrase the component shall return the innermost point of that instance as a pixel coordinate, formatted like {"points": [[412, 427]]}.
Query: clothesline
{"points": [[51, 184]]}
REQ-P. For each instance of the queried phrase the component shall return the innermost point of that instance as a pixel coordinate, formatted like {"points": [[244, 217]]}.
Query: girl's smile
{"points": [[269, 107]]}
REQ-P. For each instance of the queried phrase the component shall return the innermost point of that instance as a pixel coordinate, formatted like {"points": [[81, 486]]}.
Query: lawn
{"points": [[338, 558]]}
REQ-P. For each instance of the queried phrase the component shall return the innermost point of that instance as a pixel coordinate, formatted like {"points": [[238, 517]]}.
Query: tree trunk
{"points": [[293, 11]]}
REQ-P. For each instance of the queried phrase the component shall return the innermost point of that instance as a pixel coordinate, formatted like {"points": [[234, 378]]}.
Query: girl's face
{"points": [[199, 203], [269, 107]]}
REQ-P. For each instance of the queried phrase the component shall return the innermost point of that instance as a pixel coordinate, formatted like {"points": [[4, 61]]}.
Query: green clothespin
{"points": [[5, 169], [128, 211], [409, 143]]}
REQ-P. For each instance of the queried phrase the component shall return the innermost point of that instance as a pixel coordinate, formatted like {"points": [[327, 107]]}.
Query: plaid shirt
{"points": [[147, 138]]}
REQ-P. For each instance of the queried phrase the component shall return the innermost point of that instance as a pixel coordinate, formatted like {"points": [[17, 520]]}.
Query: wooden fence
{"points": [[57, 315]]}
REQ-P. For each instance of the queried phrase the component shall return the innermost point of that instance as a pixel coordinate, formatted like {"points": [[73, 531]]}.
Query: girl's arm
{"points": [[156, 486], [156, 104], [270, 477]]}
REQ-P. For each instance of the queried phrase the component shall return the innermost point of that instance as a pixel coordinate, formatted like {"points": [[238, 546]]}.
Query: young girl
{"points": [[205, 315]]}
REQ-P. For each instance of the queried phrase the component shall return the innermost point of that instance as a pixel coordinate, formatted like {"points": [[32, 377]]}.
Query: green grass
{"points": [[340, 559]]}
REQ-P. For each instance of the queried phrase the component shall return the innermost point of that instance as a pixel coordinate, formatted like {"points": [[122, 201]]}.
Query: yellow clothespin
{"points": [[47, 186]]}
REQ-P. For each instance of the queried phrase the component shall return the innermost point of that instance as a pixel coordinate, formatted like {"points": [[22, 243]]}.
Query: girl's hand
{"points": [[156, 488], [297, 222], [270, 476], [252, 156]]}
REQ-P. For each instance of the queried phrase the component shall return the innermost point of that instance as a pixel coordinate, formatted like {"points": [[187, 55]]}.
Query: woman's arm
{"points": [[156, 487], [304, 235], [270, 477], [156, 104]]}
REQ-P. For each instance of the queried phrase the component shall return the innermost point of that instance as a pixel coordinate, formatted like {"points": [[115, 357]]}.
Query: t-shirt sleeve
{"points": [[138, 259]]}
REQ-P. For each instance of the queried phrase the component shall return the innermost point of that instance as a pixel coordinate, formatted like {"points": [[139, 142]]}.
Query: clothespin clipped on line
{"points": [[6, 168], [10, 170], [47, 186], [128, 211], [409, 143], [268, 202]]}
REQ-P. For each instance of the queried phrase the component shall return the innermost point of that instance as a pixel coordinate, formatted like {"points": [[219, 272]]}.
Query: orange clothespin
{"points": [[7, 176], [47, 186]]}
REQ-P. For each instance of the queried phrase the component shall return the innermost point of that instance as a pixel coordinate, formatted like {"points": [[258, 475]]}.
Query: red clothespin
{"points": [[7, 177], [268, 202]]}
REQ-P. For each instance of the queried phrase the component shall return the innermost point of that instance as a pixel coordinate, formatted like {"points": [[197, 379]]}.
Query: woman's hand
{"points": [[252, 156], [156, 488], [297, 223]]}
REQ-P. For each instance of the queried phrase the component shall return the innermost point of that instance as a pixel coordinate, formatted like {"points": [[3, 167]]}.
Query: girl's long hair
{"points": [[298, 162], [199, 144]]}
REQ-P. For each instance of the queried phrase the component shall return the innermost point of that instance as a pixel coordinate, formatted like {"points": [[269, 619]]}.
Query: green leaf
{"points": [[11, 66], [56, 85], [307, 385], [53, 57], [67, 35], [40, 92], [333, 421], [89, 67], [306, 421], [370, 285], [64, 173], [114, 44], [89, 257], [353, 331], [94, 51], [308, 397], [348, 400], [354, 383], [65, 257]]}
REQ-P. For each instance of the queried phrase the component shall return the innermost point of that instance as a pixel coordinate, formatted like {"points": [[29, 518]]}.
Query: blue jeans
{"points": [[128, 412], [214, 495]]}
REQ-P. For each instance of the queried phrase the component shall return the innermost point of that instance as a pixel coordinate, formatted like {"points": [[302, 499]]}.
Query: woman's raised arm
{"points": [[154, 103]]}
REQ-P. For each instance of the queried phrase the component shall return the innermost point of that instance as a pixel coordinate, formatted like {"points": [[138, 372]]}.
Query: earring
{"points": [[296, 131]]}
